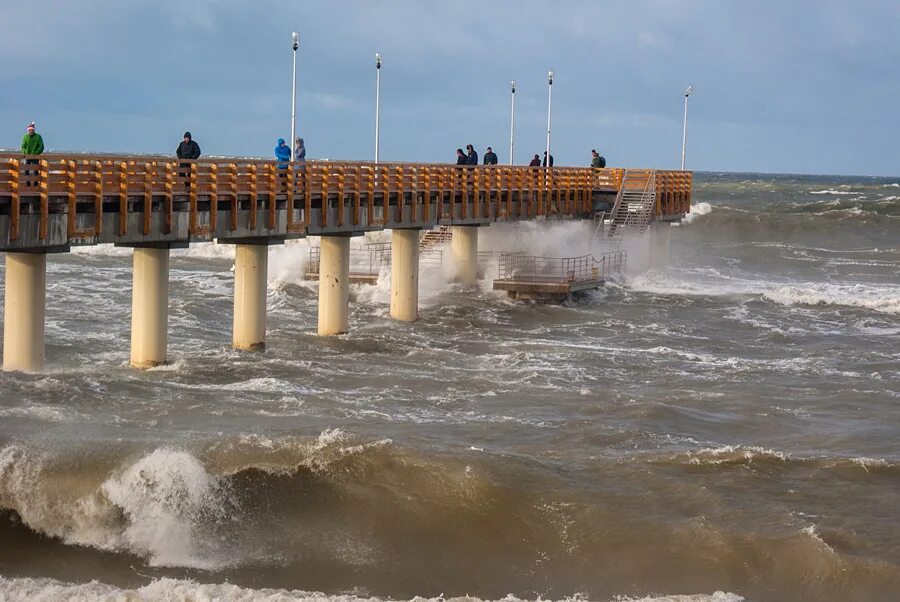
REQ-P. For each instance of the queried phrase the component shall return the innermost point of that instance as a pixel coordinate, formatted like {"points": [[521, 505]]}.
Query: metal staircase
{"points": [[435, 238], [635, 203]]}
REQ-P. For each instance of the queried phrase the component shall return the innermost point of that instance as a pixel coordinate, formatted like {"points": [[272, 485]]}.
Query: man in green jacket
{"points": [[32, 143]]}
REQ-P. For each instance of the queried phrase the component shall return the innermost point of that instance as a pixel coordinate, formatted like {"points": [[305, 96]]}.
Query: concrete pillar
{"points": [[464, 246], [23, 314], [149, 307], [250, 271], [660, 244], [334, 285], [405, 275]]}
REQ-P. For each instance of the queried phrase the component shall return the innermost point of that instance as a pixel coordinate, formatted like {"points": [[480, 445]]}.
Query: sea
{"points": [[723, 428]]}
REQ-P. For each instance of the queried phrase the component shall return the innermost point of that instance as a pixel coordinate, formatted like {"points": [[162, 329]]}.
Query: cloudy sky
{"points": [[799, 86]]}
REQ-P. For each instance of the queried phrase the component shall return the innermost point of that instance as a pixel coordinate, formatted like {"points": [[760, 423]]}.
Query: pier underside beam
{"points": [[149, 307], [23, 317], [405, 275], [251, 263], [464, 247], [334, 285]]}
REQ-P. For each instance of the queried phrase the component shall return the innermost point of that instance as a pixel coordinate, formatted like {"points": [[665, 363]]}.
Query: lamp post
{"points": [[549, 106], [295, 44], [512, 122], [687, 94], [377, 103]]}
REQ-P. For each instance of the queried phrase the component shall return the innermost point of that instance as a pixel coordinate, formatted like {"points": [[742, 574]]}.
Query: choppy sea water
{"points": [[724, 428]]}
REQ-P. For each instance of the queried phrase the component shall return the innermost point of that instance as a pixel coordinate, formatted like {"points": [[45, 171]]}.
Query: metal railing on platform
{"points": [[370, 260], [530, 268]]}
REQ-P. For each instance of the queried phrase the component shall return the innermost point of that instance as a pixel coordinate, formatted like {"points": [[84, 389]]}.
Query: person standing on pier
{"points": [[188, 149], [471, 156], [596, 159], [32, 143], [461, 158], [282, 152], [299, 150], [545, 159], [536, 161], [490, 157]]}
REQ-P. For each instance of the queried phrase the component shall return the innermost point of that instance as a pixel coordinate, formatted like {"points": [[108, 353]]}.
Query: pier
{"points": [[51, 203]]}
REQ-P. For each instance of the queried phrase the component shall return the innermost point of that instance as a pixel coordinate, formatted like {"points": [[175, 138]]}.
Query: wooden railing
{"points": [[373, 194]]}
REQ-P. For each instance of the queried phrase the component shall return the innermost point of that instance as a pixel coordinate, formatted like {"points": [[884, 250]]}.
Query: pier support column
{"points": [[464, 246], [149, 307], [250, 272], [660, 244], [334, 285], [405, 275], [23, 317]]}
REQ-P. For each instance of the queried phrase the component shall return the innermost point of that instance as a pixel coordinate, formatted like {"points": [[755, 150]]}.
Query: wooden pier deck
{"points": [[51, 202]]}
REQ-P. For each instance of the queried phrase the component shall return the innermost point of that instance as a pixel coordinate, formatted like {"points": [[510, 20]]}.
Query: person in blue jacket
{"points": [[282, 151]]}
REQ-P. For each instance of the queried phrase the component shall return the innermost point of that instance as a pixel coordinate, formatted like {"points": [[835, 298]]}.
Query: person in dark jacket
{"points": [[461, 158], [545, 159], [299, 150], [596, 159], [535, 162], [472, 156], [490, 157], [282, 151], [188, 149]]}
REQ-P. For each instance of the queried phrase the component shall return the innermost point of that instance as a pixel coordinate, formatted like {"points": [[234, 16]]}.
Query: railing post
{"points": [[253, 197], [213, 198], [15, 207], [273, 185], [43, 176], [70, 198]]}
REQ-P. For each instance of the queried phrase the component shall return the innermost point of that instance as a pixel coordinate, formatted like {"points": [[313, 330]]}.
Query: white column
{"points": [[149, 307], [405, 275], [464, 247], [23, 317], [334, 285], [250, 272], [660, 244]]}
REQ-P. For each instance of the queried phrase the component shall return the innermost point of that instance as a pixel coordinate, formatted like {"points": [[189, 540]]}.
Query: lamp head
{"points": [[550, 77], [512, 85], [689, 91], [295, 40], [378, 60]]}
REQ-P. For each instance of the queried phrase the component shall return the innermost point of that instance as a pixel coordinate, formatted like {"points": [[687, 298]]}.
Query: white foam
{"points": [[47, 590], [697, 209], [833, 192], [881, 298], [161, 495]]}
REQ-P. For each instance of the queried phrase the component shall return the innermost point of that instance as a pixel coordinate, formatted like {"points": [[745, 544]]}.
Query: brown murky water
{"points": [[725, 428]]}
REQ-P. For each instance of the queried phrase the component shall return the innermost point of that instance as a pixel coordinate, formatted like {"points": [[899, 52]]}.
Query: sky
{"points": [[780, 86]]}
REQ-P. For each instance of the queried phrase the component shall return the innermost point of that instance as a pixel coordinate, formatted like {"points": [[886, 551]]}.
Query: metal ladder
{"points": [[435, 238], [635, 203]]}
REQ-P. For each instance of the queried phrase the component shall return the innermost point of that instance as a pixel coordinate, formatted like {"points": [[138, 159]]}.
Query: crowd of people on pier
{"points": [[33, 144]]}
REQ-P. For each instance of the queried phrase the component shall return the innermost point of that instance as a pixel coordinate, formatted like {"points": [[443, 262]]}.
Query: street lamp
{"points": [[687, 94], [377, 103], [295, 44], [512, 122], [549, 105]]}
